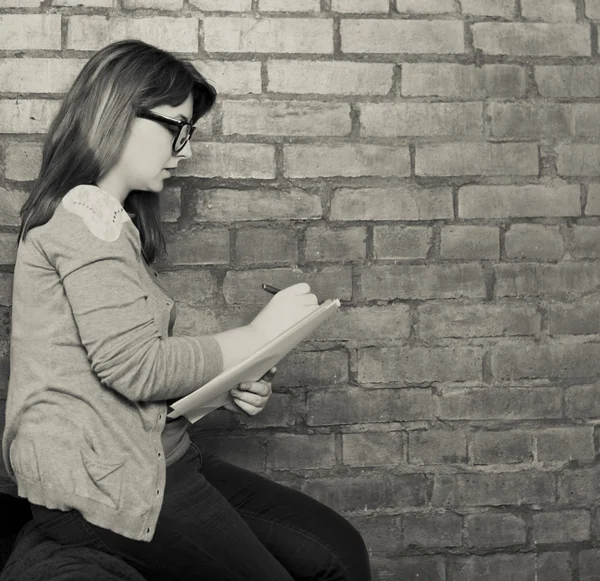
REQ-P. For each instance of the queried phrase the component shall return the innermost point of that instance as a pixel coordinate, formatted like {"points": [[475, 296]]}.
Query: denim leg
{"points": [[199, 535], [312, 541]]}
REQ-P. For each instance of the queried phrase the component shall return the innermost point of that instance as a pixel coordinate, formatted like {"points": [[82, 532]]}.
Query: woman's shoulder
{"points": [[99, 211]]}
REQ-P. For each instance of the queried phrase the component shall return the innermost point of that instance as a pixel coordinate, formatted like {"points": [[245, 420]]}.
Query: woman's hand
{"points": [[286, 308], [251, 396]]}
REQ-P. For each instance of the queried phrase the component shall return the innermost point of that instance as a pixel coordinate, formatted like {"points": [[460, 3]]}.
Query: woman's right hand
{"points": [[286, 308]]}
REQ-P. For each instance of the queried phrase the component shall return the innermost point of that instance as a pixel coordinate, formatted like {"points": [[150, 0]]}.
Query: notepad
{"points": [[215, 393]]}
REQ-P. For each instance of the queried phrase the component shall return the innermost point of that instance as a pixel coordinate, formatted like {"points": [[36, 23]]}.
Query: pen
{"points": [[270, 289]]}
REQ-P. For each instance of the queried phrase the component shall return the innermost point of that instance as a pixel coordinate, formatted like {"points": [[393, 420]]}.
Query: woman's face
{"points": [[148, 157]]}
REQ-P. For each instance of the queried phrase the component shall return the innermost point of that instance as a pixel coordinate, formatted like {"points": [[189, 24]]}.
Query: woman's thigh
{"points": [[198, 536], [312, 541]]}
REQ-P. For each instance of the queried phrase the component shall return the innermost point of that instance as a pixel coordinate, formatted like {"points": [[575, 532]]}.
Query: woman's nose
{"points": [[186, 152]]}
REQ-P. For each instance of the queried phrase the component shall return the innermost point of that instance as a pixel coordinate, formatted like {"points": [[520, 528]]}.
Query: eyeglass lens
{"points": [[182, 138]]}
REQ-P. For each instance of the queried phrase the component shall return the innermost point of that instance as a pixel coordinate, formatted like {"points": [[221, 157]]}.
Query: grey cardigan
{"points": [[92, 366]]}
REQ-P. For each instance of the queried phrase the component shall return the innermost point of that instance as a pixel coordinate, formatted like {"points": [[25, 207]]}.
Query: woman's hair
{"points": [[89, 132]]}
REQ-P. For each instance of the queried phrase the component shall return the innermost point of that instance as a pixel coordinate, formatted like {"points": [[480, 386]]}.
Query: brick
{"points": [[373, 322], [268, 35], [494, 530], [432, 530], [20, 3], [362, 405], [554, 566], [266, 245], [497, 489], [578, 486], [577, 159], [200, 320], [30, 31], [544, 121], [420, 567], [562, 81], [329, 78], [11, 202], [418, 365], [470, 242], [516, 567], [372, 449], [170, 204], [529, 39], [402, 36], [337, 244], [462, 81], [401, 242], [345, 160], [534, 242], [425, 6], [245, 286], [421, 119], [592, 9], [582, 401], [573, 319], [527, 201], [27, 115], [153, 4], [199, 247], [87, 3], [8, 248], [586, 240], [289, 5], [307, 118], [360, 493], [564, 444], [564, 526], [477, 320], [230, 205], [407, 203], [22, 160], [507, 447], [593, 201], [360, 6], [589, 564], [504, 8], [423, 281], [305, 368], [175, 34], [563, 361], [280, 411], [6, 282], [38, 75], [502, 404], [230, 160], [223, 5], [382, 534], [296, 451], [462, 159], [437, 447], [190, 287], [564, 279], [549, 11], [231, 77]]}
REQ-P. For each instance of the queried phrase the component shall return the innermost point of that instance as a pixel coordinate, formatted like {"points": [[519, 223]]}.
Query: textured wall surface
{"points": [[435, 165]]}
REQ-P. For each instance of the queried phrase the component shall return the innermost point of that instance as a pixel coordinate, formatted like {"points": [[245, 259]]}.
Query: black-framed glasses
{"points": [[185, 129]]}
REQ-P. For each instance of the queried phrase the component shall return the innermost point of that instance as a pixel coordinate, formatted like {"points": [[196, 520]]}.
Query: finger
{"points": [[269, 375], [259, 387], [248, 408], [310, 299], [254, 399], [300, 288]]}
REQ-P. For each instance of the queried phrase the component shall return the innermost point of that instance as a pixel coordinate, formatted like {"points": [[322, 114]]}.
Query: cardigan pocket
{"points": [[102, 480]]}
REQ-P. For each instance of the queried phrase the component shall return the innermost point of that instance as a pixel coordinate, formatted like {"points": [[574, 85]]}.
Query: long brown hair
{"points": [[89, 132]]}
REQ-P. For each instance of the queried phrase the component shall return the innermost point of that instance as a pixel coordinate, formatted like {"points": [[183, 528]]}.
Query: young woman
{"points": [[94, 363]]}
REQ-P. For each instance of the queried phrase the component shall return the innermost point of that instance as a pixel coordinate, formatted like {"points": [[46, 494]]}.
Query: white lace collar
{"points": [[101, 212]]}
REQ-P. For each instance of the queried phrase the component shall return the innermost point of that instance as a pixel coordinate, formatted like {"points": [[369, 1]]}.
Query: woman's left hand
{"points": [[252, 396]]}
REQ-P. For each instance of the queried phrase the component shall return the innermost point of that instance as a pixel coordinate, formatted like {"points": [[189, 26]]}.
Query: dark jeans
{"points": [[220, 522]]}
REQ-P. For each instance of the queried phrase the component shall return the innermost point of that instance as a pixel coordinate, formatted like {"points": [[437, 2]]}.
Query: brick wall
{"points": [[435, 165]]}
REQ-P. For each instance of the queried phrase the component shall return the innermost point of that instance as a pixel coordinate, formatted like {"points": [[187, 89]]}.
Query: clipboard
{"points": [[215, 393]]}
